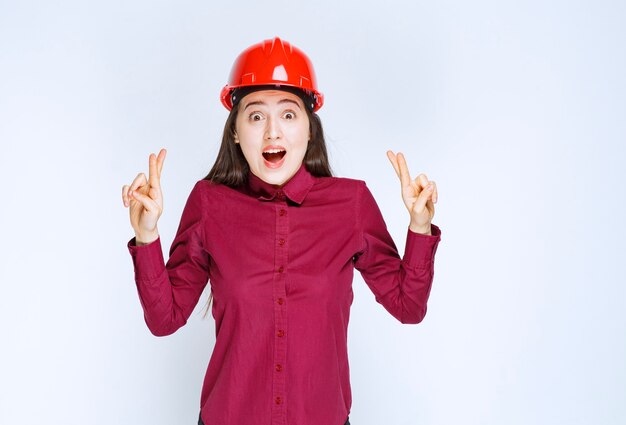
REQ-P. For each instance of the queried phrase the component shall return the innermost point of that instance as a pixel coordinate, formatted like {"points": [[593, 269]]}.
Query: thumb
{"points": [[146, 201], [423, 197]]}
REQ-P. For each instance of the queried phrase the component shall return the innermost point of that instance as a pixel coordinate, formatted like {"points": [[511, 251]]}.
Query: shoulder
{"points": [[203, 190], [342, 187], [200, 189], [208, 188], [337, 188], [216, 196]]}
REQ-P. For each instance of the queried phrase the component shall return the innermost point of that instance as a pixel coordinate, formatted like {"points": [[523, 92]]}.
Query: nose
{"points": [[272, 129]]}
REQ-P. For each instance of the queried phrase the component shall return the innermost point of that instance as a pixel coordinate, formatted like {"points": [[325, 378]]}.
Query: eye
{"points": [[289, 115], [255, 116]]}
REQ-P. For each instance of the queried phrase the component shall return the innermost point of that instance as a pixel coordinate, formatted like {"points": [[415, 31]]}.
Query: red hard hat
{"points": [[272, 62]]}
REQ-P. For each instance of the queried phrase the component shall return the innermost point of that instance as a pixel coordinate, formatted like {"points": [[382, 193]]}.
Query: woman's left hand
{"points": [[419, 195]]}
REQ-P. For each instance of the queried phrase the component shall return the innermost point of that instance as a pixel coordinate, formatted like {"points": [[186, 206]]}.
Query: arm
{"points": [[401, 286], [169, 292]]}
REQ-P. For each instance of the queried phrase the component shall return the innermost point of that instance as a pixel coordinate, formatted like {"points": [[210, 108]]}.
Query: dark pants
{"points": [[202, 423]]}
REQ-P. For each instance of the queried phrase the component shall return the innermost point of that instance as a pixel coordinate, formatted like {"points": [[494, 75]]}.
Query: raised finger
{"points": [[405, 177], [160, 160], [394, 162], [153, 177]]}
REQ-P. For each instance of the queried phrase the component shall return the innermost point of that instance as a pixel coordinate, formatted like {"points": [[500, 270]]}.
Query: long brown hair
{"points": [[231, 168]]}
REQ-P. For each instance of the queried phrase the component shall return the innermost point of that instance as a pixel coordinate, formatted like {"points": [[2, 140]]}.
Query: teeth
{"points": [[274, 150]]}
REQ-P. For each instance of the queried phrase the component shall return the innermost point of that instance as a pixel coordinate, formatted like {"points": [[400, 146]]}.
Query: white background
{"points": [[515, 108]]}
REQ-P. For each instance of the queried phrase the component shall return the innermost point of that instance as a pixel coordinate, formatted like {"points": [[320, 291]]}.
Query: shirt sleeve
{"points": [[400, 285], [169, 292]]}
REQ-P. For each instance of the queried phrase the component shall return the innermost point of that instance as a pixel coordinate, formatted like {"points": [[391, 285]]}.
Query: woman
{"points": [[279, 238]]}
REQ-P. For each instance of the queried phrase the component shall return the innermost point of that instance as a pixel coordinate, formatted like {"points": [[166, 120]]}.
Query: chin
{"points": [[277, 176]]}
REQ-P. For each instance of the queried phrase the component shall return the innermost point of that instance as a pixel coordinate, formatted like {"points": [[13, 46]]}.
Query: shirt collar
{"points": [[295, 189]]}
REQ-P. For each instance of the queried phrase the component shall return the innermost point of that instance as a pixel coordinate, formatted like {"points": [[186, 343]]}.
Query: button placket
{"points": [[280, 309]]}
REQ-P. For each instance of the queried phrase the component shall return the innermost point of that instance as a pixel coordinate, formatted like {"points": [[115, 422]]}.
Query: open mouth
{"points": [[274, 155]]}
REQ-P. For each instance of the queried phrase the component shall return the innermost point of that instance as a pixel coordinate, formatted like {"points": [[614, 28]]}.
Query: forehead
{"points": [[270, 97]]}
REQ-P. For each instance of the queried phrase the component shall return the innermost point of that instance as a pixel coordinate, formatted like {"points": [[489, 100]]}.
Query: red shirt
{"points": [[280, 262]]}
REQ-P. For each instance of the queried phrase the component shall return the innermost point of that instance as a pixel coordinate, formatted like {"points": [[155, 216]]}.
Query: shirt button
{"points": [[279, 368], [280, 333], [280, 269], [281, 301], [282, 211], [281, 241], [280, 195], [278, 400]]}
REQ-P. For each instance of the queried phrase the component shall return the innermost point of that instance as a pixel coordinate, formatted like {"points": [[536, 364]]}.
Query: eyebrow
{"points": [[259, 102]]}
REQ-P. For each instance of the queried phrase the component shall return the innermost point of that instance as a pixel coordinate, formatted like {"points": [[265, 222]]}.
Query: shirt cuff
{"points": [[147, 259], [419, 251]]}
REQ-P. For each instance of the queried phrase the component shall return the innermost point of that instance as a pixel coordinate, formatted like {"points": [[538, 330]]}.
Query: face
{"points": [[272, 128]]}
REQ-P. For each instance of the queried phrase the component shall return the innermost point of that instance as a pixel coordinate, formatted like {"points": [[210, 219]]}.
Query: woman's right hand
{"points": [[146, 200]]}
